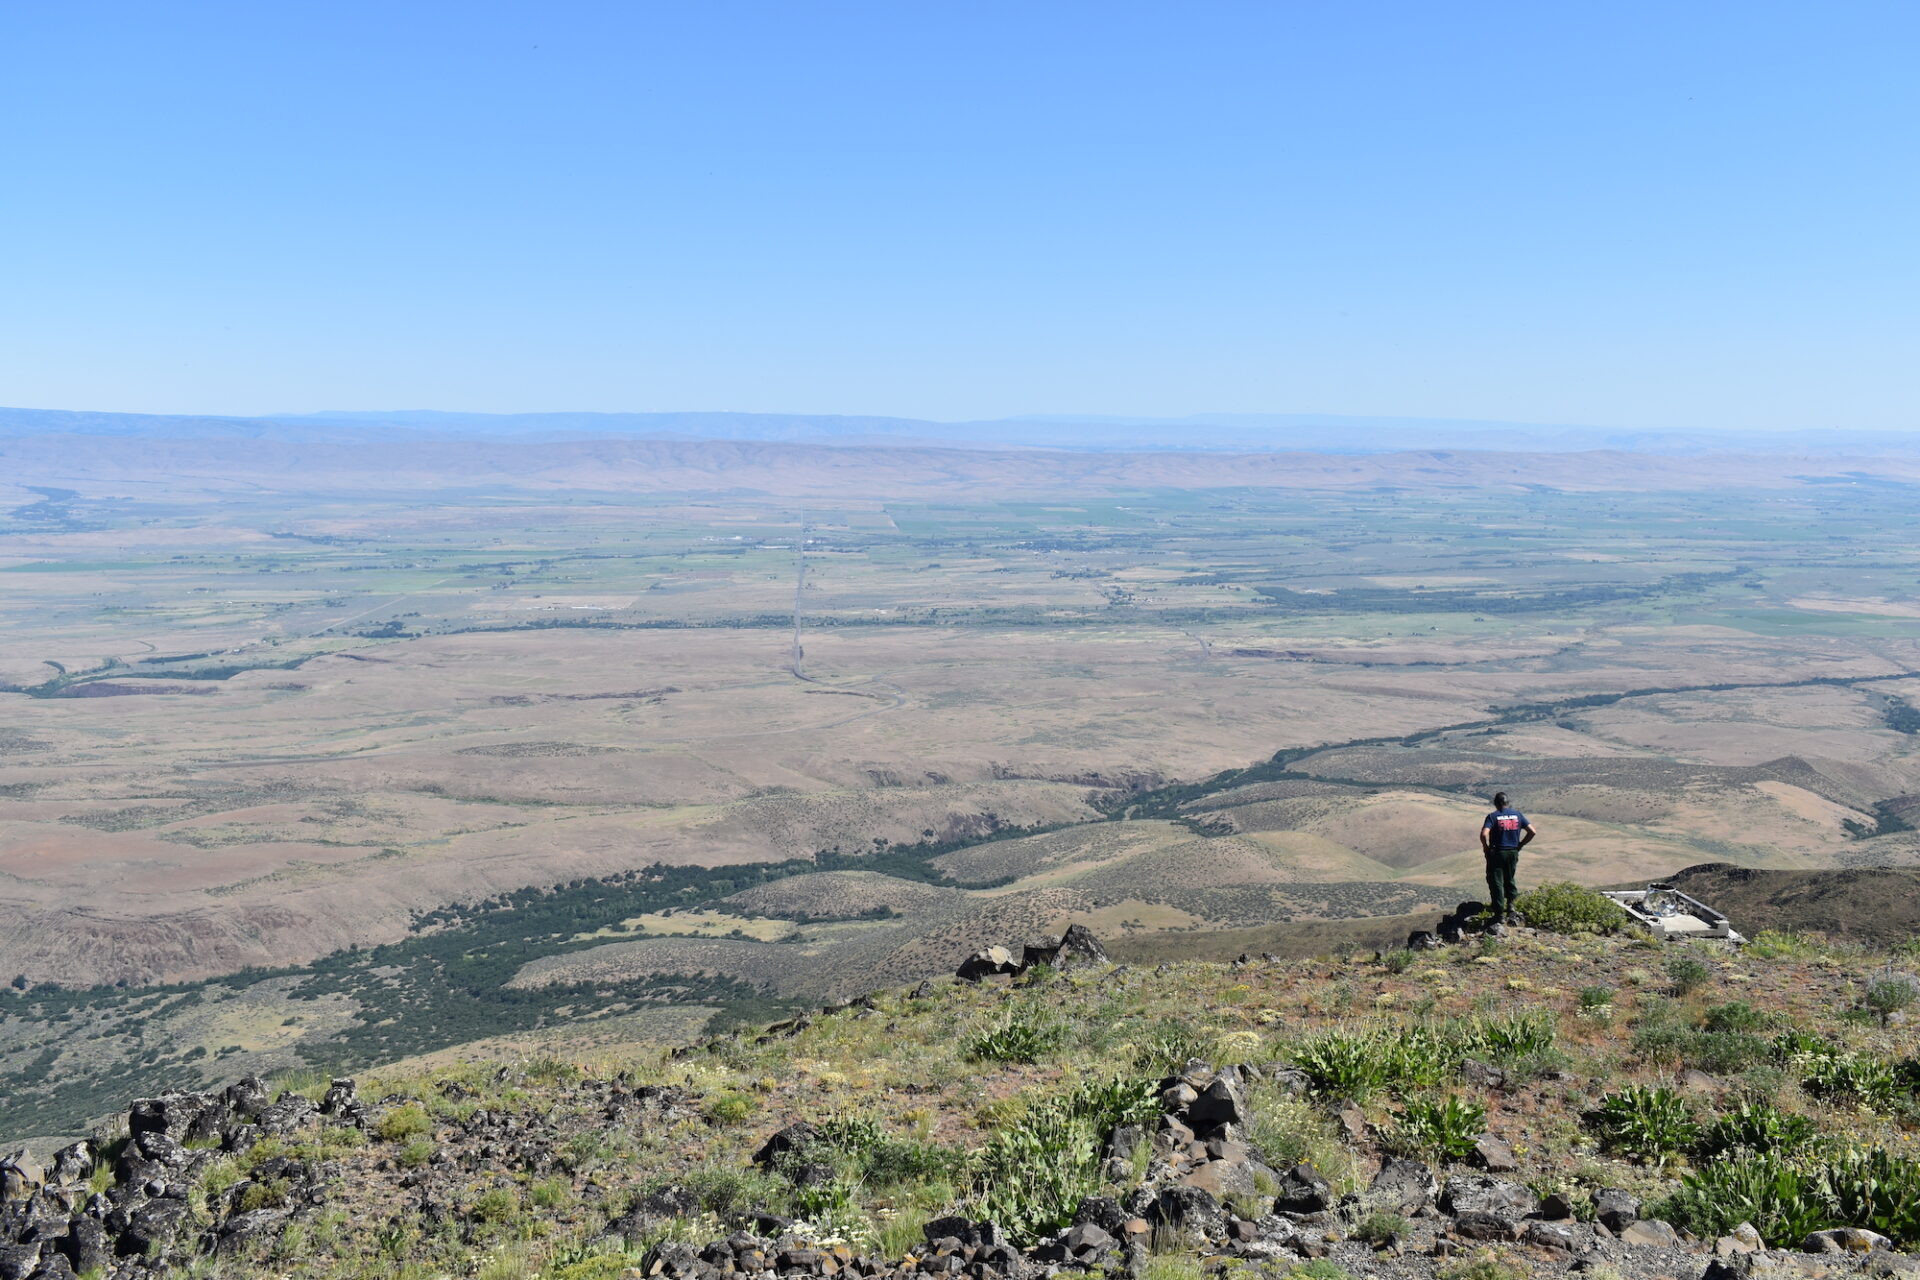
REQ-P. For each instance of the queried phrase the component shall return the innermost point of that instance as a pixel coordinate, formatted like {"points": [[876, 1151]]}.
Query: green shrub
{"points": [[1649, 1124], [723, 1191], [1382, 1229], [1877, 1190], [868, 1154], [1318, 1269], [1762, 1083], [1785, 1199], [1889, 993], [1417, 1057], [547, 1070], [550, 1193], [1398, 961], [1030, 1176], [1510, 1040], [1725, 1052], [730, 1108], [1779, 944], [1755, 1127], [1855, 1080], [1486, 1265], [498, 1204], [1780, 1198], [1171, 1266], [1797, 1044], [402, 1123], [1033, 1171], [1356, 1065], [1342, 1065], [1168, 1045], [1114, 1101], [1688, 974], [1592, 998], [1565, 907], [1441, 1130], [272, 1194], [416, 1154], [1022, 1034], [1735, 1015], [1286, 1131], [1660, 1035]]}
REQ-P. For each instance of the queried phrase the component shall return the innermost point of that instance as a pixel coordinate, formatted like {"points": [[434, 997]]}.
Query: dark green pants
{"points": [[1501, 864]]}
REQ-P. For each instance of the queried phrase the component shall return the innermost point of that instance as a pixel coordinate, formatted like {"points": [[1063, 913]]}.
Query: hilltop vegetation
{"points": [[1559, 1086]]}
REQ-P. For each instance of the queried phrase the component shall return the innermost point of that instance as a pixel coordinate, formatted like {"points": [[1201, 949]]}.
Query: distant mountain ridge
{"points": [[428, 462], [1209, 432]]}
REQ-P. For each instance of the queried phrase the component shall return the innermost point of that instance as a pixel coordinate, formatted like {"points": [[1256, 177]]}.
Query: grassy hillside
{"points": [[1713, 1086]]}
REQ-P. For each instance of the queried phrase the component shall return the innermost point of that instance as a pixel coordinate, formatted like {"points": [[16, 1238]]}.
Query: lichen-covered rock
{"points": [[18, 1261], [1493, 1197], [1650, 1233], [173, 1114], [71, 1164], [1845, 1240], [1403, 1187]]}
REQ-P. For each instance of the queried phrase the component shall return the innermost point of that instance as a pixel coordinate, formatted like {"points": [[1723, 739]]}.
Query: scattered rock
{"points": [[1104, 1212], [1303, 1190], [18, 1261], [1845, 1240], [1615, 1208], [1402, 1186], [72, 1164], [340, 1098], [1742, 1239], [1650, 1233], [1187, 1209], [1493, 1154], [1490, 1196], [967, 1232], [1223, 1178], [795, 1137], [1483, 1075], [1219, 1104], [1550, 1235]]}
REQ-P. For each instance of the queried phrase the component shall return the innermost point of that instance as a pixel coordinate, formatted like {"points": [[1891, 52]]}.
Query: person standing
{"points": [[1503, 834]]}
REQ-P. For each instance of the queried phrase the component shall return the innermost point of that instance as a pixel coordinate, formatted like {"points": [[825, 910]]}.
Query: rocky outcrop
{"points": [[123, 1210], [987, 963], [1075, 948]]}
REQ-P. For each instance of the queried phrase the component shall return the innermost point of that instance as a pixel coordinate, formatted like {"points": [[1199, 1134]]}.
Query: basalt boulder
{"points": [[1077, 946]]}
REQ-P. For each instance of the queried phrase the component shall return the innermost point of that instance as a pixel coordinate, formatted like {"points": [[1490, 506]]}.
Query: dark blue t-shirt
{"points": [[1503, 826]]}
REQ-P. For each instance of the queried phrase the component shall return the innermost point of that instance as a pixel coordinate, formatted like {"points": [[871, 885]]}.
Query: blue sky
{"points": [[1695, 214]]}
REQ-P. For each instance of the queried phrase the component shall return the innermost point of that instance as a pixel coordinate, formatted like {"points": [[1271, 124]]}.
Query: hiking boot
{"points": [[1511, 919]]}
